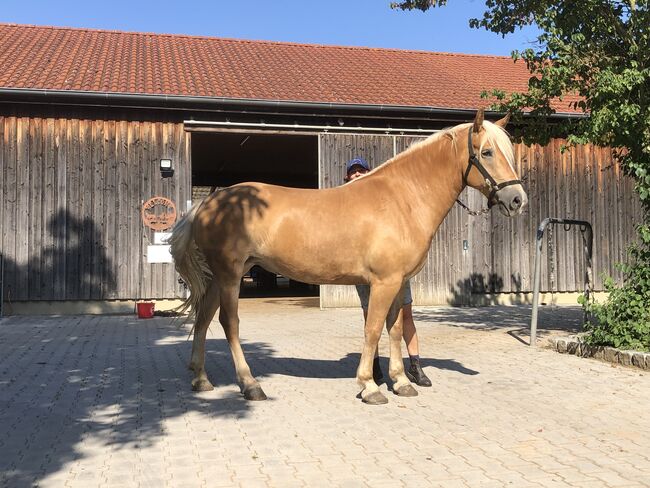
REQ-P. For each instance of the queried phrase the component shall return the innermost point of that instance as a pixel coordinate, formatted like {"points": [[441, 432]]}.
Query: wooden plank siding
{"points": [[578, 183], [73, 186], [335, 151], [71, 193], [23, 193], [10, 203]]}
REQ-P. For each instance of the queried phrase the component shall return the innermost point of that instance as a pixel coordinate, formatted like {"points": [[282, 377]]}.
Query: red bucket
{"points": [[145, 310]]}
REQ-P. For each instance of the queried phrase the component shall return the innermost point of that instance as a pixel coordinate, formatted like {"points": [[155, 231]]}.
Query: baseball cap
{"points": [[357, 162]]}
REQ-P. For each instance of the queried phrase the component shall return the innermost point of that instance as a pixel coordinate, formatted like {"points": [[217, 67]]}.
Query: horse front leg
{"points": [[394, 325], [382, 295]]}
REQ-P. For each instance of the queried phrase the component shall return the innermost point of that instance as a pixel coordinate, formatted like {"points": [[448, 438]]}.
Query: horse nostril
{"points": [[516, 203]]}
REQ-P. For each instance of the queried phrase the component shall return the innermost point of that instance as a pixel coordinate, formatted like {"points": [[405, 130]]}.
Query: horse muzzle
{"points": [[511, 200]]}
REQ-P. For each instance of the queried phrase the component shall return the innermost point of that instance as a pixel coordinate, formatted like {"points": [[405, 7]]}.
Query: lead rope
{"points": [[475, 213]]}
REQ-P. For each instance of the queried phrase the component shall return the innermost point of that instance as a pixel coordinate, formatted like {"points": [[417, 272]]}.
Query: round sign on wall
{"points": [[159, 213]]}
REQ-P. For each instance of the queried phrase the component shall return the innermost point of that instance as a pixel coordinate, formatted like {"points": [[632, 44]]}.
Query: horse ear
{"points": [[478, 121], [504, 121]]}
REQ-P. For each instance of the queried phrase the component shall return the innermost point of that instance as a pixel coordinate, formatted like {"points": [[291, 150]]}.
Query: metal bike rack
{"points": [[587, 240]]}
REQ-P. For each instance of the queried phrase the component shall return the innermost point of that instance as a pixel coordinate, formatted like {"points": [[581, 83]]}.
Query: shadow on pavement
{"points": [[64, 384], [303, 302], [514, 320], [121, 383], [263, 363], [568, 319]]}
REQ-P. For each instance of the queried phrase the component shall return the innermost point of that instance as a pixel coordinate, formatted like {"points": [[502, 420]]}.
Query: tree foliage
{"points": [[594, 55]]}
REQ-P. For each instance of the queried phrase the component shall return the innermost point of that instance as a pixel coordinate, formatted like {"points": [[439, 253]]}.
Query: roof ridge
{"points": [[251, 41]]}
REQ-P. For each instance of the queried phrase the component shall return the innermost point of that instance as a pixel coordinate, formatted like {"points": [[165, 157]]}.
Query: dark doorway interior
{"points": [[221, 159]]}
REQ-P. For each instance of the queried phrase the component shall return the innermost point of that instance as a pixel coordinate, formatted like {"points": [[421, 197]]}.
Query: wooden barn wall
{"points": [[580, 183], [72, 192], [335, 150]]}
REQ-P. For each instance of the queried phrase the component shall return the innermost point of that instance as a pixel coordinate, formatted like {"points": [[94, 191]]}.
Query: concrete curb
{"points": [[575, 345]]}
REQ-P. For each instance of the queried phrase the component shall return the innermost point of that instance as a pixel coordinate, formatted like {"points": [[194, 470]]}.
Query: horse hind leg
{"points": [[229, 318], [204, 315]]}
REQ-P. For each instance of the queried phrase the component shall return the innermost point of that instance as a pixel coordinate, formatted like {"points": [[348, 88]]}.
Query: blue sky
{"points": [[350, 23]]}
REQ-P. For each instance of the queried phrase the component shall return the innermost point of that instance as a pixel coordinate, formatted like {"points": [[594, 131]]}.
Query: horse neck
{"points": [[430, 177]]}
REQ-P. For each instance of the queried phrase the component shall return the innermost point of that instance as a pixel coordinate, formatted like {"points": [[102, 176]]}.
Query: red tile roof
{"points": [[57, 58]]}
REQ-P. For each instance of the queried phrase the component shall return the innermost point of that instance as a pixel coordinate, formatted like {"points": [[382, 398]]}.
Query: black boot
{"points": [[416, 375], [377, 375]]}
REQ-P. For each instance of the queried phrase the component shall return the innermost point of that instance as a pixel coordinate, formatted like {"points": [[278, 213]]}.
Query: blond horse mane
{"points": [[496, 137]]}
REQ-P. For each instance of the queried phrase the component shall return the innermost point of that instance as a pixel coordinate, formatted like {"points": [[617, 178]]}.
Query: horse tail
{"points": [[190, 262]]}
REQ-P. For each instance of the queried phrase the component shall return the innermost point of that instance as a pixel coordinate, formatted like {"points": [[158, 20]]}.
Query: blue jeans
{"points": [[364, 294]]}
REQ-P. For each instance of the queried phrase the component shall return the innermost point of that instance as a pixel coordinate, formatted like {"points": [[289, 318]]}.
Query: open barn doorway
{"points": [[221, 159]]}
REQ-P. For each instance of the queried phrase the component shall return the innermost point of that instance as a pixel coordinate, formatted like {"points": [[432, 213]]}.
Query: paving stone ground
{"points": [[105, 401]]}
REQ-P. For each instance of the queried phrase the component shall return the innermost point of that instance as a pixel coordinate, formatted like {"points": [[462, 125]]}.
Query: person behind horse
{"points": [[355, 168]]}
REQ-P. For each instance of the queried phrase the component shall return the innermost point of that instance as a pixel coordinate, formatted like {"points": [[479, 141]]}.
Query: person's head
{"points": [[356, 167]]}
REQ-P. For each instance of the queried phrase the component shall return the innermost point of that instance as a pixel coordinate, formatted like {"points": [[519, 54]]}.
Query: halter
{"points": [[491, 182]]}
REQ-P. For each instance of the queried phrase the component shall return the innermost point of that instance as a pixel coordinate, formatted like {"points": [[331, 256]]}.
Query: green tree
{"points": [[595, 55]]}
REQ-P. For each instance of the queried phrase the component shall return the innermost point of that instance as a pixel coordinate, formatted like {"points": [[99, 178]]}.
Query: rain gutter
{"points": [[182, 102]]}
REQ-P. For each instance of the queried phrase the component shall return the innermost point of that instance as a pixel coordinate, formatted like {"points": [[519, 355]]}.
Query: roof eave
{"points": [[175, 102]]}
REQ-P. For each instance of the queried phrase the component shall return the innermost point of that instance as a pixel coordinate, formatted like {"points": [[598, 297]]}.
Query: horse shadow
{"points": [[264, 363]]}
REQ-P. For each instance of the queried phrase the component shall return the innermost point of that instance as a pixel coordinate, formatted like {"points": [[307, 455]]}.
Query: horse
{"points": [[303, 234]]}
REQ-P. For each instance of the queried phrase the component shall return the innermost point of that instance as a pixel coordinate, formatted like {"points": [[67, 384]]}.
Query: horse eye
{"points": [[487, 153]]}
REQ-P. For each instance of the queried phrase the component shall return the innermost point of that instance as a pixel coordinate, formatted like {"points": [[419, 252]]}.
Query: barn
{"points": [[108, 137]]}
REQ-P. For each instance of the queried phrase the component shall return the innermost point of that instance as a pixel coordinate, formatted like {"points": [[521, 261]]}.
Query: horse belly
{"points": [[308, 266], [322, 276], [317, 259]]}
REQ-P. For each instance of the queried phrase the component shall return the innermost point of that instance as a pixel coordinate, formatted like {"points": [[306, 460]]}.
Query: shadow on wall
{"points": [[479, 290], [78, 258], [72, 264]]}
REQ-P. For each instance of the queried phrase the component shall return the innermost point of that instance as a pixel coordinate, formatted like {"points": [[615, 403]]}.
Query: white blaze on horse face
{"points": [[496, 156], [498, 139], [511, 199]]}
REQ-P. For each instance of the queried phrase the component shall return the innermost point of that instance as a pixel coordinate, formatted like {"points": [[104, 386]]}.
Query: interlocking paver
{"points": [[106, 401]]}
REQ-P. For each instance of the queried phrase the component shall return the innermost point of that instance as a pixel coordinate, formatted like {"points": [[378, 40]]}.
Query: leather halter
{"points": [[491, 182]]}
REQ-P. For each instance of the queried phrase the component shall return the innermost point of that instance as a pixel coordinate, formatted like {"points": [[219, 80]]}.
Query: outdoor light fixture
{"points": [[166, 169]]}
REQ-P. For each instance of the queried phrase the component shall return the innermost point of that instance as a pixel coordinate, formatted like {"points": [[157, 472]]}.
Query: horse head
{"points": [[490, 165]]}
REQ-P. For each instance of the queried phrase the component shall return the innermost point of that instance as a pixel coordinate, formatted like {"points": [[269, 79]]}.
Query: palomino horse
{"points": [[303, 234]]}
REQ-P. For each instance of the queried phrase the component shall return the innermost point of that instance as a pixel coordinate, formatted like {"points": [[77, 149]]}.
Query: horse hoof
{"points": [[406, 391], [255, 394], [375, 398], [202, 385]]}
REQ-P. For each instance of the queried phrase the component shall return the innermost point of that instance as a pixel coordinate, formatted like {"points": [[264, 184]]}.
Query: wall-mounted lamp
{"points": [[166, 168]]}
